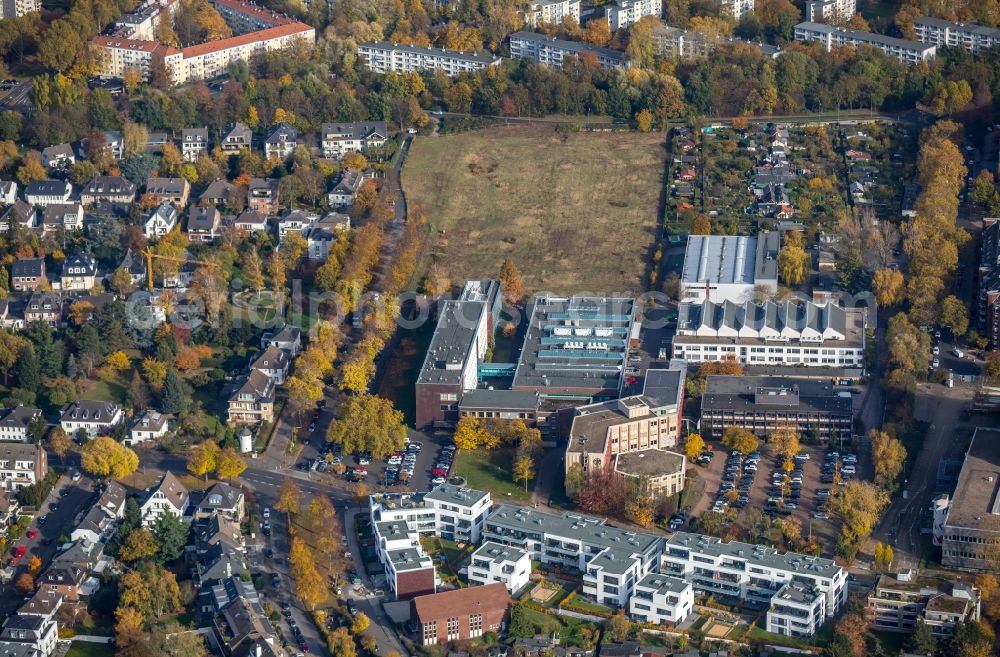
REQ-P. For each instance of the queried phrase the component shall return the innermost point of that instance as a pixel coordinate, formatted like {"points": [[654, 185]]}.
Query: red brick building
{"points": [[461, 614]]}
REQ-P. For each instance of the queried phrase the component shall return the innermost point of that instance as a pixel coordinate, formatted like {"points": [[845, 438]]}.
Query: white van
{"points": [[958, 352]]}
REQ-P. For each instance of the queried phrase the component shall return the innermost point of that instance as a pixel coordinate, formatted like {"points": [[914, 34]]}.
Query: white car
{"points": [[935, 363], [936, 350], [76, 476], [267, 512], [848, 469], [438, 480]]}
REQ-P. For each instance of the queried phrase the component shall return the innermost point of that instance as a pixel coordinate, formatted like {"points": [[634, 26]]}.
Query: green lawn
{"points": [[491, 470], [85, 649]]}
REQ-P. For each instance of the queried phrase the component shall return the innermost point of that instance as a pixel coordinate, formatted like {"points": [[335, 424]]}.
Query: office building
{"points": [[660, 599], [787, 333], [493, 562], [722, 268], [551, 51], [901, 599], [972, 37], [651, 420], [830, 11], [382, 57], [967, 524], [741, 573], [460, 342], [551, 12], [611, 560], [908, 52], [763, 404], [622, 13]]}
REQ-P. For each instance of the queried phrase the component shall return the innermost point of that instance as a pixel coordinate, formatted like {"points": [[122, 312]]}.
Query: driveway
{"points": [[57, 522]]}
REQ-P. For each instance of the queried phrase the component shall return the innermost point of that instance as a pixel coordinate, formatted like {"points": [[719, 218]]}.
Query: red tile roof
{"points": [[154, 47], [461, 602], [254, 10], [288, 29]]}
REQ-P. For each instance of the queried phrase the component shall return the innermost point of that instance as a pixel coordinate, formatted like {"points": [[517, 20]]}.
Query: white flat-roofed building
{"points": [[551, 51], [551, 12], [972, 37], [789, 333], [661, 599], [461, 512], [750, 574], [797, 611], [622, 13], [611, 560], [508, 565], [382, 57], [735, 268], [908, 52], [825, 11]]}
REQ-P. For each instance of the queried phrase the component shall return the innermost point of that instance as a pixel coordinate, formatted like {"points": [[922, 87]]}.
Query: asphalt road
{"points": [[57, 522]]}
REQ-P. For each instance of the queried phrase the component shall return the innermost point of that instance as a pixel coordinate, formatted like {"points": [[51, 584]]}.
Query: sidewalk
{"points": [[381, 626]]}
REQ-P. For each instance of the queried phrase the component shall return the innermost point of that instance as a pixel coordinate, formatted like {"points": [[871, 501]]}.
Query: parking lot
{"points": [[760, 481]]}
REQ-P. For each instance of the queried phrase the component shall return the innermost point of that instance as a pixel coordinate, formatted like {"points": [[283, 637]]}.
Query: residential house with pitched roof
{"points": [[79, 272], [338, 139], [273, 362], [21, 465], [68, 216], [194, 142], [203, 224], [58, 156], [47, 192], [264, 195], [169, 496], [95, 418], [347, 187], [161, 221], [171, 190], [112, 189], [252, 402], [44, 307], [14, 422], [237, 138], [27, 274], [281, 141], [150, 426]]}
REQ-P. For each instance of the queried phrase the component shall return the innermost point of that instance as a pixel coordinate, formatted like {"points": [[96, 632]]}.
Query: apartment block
{"points": [[14, 8], [382, 57], [611, 560], [622, 13], [901, 599], [751, 574], [830, 11], [551, 12], [661, 599], [737, 8], [493, 562], [972, 37], [551, 51], [908, 52], [400, 519], [797, 611], [763, 404], [676, 42], [787, 333]]}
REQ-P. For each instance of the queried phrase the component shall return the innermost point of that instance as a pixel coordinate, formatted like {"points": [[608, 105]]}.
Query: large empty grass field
{"points": [[577, 212]]}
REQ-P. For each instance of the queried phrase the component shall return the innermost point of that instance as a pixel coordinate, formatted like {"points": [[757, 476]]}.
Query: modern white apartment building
{"points": [[737, 8], [622, 13], [551, 51], [751, 574], [382, 57], [789, 333], [796, 610], [661, 599], [508, 565], [612, 560], [972, 37], [908, 52], [400, 519], [829, 11], [676, 42], [551, 12]]}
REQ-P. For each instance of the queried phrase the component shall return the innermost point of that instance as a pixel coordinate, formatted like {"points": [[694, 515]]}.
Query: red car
{"points": [[32, 533], [19, 551], [438, 472]]}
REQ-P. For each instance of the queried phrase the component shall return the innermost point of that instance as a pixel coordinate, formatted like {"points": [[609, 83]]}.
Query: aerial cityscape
{"points": [[499, 328]]}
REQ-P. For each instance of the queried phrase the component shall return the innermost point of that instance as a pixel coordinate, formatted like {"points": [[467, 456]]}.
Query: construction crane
{"points": [[149, 255]]}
